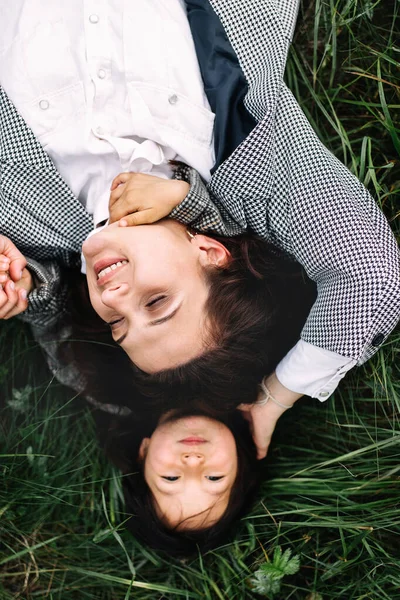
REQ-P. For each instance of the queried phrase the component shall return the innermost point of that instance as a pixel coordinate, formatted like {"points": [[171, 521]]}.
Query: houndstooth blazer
{"points": [[273, 178], [282, 184]]}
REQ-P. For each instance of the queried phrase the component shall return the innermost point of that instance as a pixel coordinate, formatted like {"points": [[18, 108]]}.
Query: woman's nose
{"points": [[192, 458], [113, 294]]}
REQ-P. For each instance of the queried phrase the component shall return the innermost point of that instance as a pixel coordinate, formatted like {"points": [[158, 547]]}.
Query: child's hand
{"points": [[11, 260], [15, 280], [137, 199], [14, 296]]}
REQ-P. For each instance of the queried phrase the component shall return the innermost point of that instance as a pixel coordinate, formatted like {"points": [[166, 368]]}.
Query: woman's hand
{"points": [[15, 280], [263, 418], [137, 199]]}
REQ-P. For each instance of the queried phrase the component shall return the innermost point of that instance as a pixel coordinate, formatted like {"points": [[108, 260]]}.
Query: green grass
{"points": [[332, 485]]}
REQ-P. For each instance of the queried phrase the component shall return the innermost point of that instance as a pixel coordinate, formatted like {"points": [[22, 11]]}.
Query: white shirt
{"points": [[114, 85], [107, 86], [313, 371]]}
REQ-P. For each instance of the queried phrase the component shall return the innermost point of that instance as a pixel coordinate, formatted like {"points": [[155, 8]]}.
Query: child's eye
{"points": [[169, 478], [212, 478]]}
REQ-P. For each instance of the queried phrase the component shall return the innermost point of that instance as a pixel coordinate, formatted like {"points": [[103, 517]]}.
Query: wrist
{"points": [[281, 393], [182, 189]]}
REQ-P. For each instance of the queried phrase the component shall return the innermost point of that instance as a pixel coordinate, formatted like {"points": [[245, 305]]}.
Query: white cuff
{"points": [[312, 371]]}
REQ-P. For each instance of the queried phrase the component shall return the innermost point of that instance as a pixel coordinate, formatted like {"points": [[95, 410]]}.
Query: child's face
{"points": [[190, 467]]}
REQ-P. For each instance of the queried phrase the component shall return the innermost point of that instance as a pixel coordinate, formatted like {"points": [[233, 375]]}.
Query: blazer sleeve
{"points": [[48, 300], [199, 209], [282, 184], [323, 215], [343, 241]]}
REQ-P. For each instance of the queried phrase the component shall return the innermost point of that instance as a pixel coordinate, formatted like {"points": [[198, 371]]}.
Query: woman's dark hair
{"points": [[256, 308], [121, 439]]}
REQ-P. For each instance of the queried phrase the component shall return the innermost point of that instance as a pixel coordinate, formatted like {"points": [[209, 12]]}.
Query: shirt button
{"points": [[324, 394], [378, 339], [94, 19], [173, 99], [99, 130], [44, 104], [101, 73]]}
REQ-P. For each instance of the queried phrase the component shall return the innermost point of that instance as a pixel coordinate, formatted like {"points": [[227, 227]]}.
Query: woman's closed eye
{"points": [[214, 478], [169, 478], [115, 322], [156, 302]]}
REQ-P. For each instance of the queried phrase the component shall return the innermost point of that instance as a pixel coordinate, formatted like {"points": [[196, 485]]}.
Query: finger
{"points": [[21, 306], [16, 260], [8, 299], [16, 268], [122, 208], [245, 407], [4, 262], [142, 217], [115, 196], [262, 434], [121, 178], [262, 452], [4, 277]]}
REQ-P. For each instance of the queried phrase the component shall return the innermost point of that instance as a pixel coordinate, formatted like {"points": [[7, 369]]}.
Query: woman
{"points": [[271, 177], [259, 185], [50, 235]]}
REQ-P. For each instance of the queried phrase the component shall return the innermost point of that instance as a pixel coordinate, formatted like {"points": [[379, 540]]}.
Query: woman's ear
{"points": [[212, 252], [143, 448]]}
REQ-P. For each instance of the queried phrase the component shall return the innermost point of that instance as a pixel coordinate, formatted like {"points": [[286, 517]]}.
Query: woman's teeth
{"points": [[111, 268]]}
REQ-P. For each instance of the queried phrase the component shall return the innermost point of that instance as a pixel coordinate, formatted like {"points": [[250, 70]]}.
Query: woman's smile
{"points": [[152, 275], [106, 269]]}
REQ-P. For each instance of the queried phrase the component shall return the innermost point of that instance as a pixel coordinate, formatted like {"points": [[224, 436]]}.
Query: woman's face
{"points": [[148, 283], [190, 466]]}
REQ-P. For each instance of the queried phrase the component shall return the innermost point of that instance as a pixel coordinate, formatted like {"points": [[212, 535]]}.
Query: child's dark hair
{"points": [[121, 439]]}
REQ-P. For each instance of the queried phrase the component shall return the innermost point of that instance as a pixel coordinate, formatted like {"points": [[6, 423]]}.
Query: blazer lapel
{"points": [[37, 209], [242, 50], [224, 82]]}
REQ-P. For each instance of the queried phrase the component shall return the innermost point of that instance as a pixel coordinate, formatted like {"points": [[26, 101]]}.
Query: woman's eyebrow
{"points": [[155, 322], [166, 318], [121, 339]]}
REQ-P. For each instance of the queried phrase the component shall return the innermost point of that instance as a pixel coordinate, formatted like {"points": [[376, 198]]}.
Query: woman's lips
{"points": [[101, 265], [106, 262], [193, 441]]}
